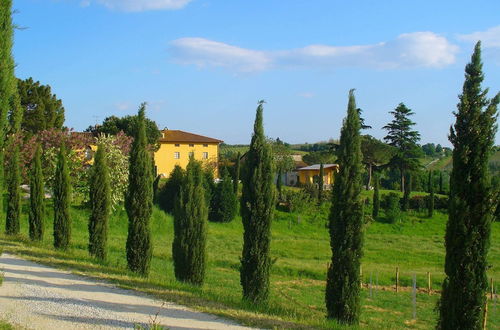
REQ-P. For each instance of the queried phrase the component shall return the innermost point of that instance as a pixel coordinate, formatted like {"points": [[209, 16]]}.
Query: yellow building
{"points": [[177, 146], [310, 174]]}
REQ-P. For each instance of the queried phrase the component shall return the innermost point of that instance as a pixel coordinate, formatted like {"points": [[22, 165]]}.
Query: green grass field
{"points": [[300, 247]]}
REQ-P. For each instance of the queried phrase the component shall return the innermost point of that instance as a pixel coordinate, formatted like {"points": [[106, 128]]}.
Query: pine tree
{"points": [[224, 206], [37, 197], [257, 206], [431, 196], [62, 199], [13, 194], [190, 227], [376, 198], [401, 136], [139, 201], [321, 183], [100, 197], [467, 238], [346, 220], [236, 178], [7, 81]]}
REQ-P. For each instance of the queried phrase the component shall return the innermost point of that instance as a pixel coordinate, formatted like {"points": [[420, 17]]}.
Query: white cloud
{"points": [[140, 5], [489, 38], [419, 49], [205, 53]]}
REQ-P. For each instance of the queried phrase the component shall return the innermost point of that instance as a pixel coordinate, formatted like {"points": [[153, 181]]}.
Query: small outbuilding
{"points": [[310, 174]]}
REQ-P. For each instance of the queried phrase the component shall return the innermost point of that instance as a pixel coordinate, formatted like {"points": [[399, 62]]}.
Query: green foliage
{"points": [[62, 200], [375, 153], [345, 225], [130, 125], [7, 80], [431, 196], [190, 227], [118, 160], [236, 178], [257, 206], [405, 205], [169, 193], [470, 214], [41, 109], [392, 207], [13, 194], [318, 157], [100, 204], [37, 198], [209, 185], [376, 198], [139, 201], [401, 136], [224, 201], [296, 200]]}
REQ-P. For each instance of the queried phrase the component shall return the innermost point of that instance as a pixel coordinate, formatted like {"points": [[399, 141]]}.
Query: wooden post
{"points": [[397, 279], [361, 275], [429, 286]]}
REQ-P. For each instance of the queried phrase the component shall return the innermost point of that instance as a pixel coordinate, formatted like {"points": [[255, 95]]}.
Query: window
{"points": [[191, 145], [177, 145], [191, 154], [205, 155], [177, 155], [205, 145]]}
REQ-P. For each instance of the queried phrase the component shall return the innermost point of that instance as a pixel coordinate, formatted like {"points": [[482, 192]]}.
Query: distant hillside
{"points": [[445, 164]]}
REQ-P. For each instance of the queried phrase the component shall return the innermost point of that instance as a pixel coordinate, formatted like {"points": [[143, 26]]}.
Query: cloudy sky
{"points": [[202, 65]]}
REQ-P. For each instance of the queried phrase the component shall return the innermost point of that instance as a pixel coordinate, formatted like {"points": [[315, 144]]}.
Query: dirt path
{"points": [[39, 297]]}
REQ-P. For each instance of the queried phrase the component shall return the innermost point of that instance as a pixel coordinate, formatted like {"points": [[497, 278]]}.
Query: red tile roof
{"points": [[171, 135]]}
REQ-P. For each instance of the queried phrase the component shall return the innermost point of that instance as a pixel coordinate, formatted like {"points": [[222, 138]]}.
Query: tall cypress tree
{"points": [[441, 190], [190, 227], [224, 206], [37, 197], [236, 178], [257, 206], [13, 194], [139, 201], [62, 199], [468, 230], [431, 196], [346, 220], [100, 197], [7, 80], [376, 197], [321, 183]]}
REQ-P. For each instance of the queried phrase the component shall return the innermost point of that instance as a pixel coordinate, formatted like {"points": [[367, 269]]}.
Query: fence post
{"points": [[429, 285], [397, 279], [485, 318], [414, 296], [491, 288], [361, 275]]}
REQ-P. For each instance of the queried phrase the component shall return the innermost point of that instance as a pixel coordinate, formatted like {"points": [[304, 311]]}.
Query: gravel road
{"points": [[38, 297]]}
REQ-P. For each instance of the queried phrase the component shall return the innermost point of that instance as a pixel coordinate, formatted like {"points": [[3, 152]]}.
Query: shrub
{"points": [[392, 207], [295, 201]]}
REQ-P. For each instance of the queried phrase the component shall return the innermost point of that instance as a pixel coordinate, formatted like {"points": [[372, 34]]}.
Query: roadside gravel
{"points": [[34, 296]]}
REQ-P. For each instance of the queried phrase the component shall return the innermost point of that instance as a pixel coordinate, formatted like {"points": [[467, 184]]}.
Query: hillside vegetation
{"points": [[300, 248]]}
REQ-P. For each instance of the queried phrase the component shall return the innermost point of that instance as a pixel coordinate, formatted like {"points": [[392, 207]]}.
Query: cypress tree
{"points": [[441, 190], [139, 201], [7, 81], [224, 209], [37, 197], [279, 184], [468, 230], [100, 197], [62, 199], [236, 178], [13, 194], [190, 227], [170, 190], [431, 196], [257, 206], [376, 197], [346, 220], [321, 183]]}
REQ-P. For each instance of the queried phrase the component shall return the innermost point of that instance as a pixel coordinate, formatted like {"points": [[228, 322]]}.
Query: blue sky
{"points": [[202, 65]]}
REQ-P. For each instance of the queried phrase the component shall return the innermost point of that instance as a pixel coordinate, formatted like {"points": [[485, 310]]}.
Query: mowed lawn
{"points": [[300, 250]]}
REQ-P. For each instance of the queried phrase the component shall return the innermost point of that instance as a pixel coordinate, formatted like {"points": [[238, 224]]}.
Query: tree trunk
{"points": [[369, 176]]}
